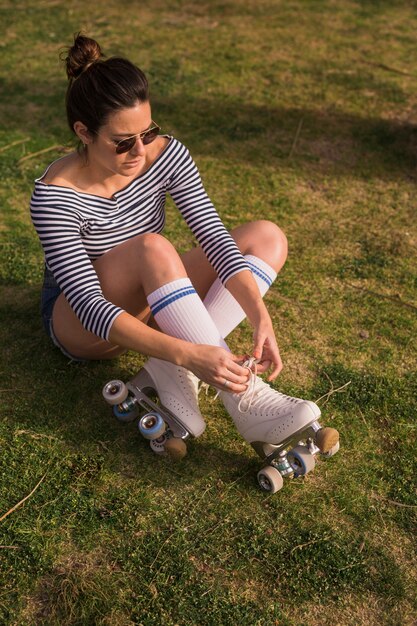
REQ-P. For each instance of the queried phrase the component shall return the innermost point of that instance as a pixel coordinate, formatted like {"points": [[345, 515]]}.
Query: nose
{"points": [[138, 148]]}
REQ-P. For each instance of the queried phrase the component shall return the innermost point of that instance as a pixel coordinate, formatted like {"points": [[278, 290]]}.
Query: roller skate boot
{"points": [[284, 431], [165, 398]]}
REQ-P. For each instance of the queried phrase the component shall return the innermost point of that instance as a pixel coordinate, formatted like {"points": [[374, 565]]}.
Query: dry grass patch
{"points": [[80, 585], [365, 609]]}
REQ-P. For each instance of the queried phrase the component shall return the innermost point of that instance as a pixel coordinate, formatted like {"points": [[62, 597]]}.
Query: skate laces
{"points": [[257, 392], [249, 393]]}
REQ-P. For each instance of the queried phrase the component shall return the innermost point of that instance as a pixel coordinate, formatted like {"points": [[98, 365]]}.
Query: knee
{"points": [[155, 246], [274, 236], [271, 243]]}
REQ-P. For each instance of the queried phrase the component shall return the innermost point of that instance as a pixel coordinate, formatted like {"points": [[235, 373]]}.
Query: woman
{"points": [[113, 282]]}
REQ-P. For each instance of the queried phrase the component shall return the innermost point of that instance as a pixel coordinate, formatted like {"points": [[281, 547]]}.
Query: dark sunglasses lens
{"points": [[150, 135], [125, 145]]}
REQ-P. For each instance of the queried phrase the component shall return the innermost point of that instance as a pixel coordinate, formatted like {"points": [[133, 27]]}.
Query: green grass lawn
{"points": [[299, 111]]}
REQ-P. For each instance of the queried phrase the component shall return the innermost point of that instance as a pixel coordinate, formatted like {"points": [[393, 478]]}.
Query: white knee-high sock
{"points": [[224, 310], [179, 312]]}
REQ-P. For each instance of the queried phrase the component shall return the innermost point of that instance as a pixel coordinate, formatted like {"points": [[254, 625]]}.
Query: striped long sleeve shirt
{"points": [[75, 228]]}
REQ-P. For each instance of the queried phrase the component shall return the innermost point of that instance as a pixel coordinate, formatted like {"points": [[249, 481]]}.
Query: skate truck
{"points": [[287, 435]]}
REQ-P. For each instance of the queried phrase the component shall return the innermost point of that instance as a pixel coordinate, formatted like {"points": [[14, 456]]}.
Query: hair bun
{"points": [[81, 55]]}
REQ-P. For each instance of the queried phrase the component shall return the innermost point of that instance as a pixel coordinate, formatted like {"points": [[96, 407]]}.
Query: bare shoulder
{"points": [[61, 172]]}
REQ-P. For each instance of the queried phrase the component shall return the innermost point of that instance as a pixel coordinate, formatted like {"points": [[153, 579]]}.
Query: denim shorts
{"points": [[49, 295]]}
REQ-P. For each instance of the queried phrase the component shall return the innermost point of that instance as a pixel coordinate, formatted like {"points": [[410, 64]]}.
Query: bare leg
{"points": [[126, 274], [142, 264], [261, 238]]}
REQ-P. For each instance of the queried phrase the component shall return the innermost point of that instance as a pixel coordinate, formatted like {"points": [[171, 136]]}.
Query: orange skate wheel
{"points": [[175, 448], [326, 439]]}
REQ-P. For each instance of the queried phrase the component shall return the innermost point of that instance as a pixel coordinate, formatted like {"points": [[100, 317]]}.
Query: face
{"points": [[120, 125]]}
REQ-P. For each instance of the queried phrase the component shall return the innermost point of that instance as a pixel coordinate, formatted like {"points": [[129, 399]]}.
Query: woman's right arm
{"points": [[58, 225], [210, 364], [58, 229]]}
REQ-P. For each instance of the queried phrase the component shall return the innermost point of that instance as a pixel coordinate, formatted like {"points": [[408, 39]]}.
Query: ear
{"points": [[83, 133]]}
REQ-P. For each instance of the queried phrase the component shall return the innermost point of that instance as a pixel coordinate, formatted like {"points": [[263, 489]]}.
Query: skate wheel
{"points": [[151, 425], [332, 451], [326, 439], [124, 416], [175, 448], [115, 392], [269, 479], [158, 445], [301, 460]]}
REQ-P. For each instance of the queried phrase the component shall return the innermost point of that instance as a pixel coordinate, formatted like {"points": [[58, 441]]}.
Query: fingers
{"points": [[277, 368], [235, 378], [263, 366], [258, 347], [270, 357], [231, 376]]}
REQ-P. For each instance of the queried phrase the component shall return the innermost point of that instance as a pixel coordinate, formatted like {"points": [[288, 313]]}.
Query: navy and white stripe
{"points": [[76, 228], [255, 269], [171, 297]]}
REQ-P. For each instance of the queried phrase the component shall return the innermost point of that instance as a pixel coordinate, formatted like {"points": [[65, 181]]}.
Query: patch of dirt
{"points": [[57, 593]]}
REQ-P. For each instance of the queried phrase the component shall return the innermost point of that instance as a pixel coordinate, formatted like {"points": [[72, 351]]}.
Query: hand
{"points": [[217, 367], [266, 350]]}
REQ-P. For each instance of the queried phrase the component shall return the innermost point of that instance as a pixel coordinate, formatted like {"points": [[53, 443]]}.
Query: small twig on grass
{"points": [[309, 543], [22, 501], [289, 301], [10, 547], [33, 435], [350, 566], [297, 134], [363, 417], [34, 154], [387, 68], [332, 390], [14, 143], [393, 502], [396, 299]]}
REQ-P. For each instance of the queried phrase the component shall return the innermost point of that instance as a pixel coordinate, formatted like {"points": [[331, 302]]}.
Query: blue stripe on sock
{"points": [[255, 270], [171, 297], [168, 295]]}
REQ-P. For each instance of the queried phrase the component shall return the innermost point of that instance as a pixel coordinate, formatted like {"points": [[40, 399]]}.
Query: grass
{"points": [[300, 112]]}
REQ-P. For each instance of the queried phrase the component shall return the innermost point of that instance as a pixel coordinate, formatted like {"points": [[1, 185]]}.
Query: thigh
{"points": [[260, 238], [72, 337], [201, 272], [121, 285]]}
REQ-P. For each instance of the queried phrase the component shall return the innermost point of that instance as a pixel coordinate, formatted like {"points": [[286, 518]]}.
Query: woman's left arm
{"points": [[222, 252], [244, 289]]}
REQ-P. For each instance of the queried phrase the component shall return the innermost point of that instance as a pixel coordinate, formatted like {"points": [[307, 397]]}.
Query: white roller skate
{"points": [[284, 431], [168, 396]]}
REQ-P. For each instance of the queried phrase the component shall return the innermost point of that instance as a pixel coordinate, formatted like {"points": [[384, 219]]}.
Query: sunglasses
{"points": [[146, 137]]}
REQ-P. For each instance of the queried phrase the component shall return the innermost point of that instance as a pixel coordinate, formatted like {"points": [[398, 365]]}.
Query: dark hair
{"points": [[99, 86]]}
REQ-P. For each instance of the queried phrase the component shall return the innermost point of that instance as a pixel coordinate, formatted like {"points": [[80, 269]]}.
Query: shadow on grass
{"points": [[47, 396], [325, 140]]}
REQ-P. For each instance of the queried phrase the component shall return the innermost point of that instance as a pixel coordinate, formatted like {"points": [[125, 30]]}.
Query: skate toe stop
{"points": [[175, 448], [326, 439]]}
